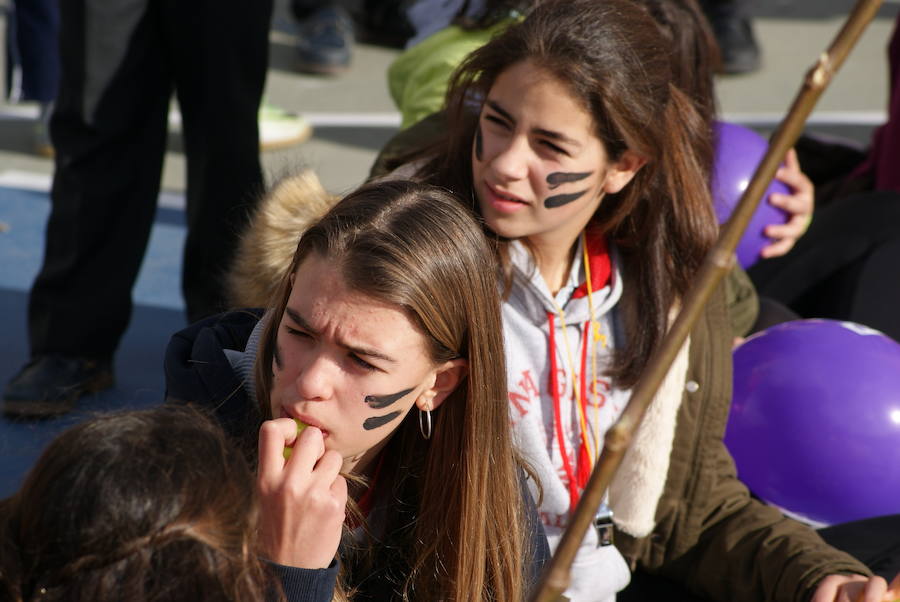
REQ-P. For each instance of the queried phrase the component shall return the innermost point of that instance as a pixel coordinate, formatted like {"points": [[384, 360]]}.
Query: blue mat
{"points": [[158, 312]]}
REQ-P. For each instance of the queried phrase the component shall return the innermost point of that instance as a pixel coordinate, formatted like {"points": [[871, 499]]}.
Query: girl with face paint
{"points": [[376, 381], [568, 134]]}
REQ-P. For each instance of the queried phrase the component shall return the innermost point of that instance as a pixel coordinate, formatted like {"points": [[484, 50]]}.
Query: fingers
{"points": [[303, 499], [894, 588], [308, 449], [784, 236], [777, 248], [274, 436], [874, 591], [826, 590]]}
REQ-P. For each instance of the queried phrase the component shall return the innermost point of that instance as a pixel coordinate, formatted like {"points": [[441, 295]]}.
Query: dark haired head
{"points": [[142, 505], [616, 63], [417, 248]]}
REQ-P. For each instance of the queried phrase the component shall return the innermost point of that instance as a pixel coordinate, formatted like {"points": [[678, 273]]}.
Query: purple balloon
{"points": [[739, 151], [815, 420]]}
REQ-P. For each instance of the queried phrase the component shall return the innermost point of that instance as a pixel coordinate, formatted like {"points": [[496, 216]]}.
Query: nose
{"points": [[511, 163], [315, 379]]}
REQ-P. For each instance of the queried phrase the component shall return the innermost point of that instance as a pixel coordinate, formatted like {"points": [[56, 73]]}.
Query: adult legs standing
{"points": [[220, 56], [121, 61]]}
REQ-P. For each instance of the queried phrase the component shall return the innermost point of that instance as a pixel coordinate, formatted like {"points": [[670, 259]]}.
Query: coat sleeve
{"points": [[742, 299], [306, 585], [711, 535], [538, 547]]}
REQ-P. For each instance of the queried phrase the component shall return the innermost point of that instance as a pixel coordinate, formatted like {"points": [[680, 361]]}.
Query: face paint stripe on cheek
{"points": [[382, 401], [276, 355], [558, 178], [559, 200], [479, 144], [376, 421]]}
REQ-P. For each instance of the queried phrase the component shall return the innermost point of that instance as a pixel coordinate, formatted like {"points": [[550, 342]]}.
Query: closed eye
{"points": [[555, 148], [298, 333], [362, 363], [497, 121]]}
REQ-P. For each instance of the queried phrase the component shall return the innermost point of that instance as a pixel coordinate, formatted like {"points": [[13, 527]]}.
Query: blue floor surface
{"points": [[158, 312]]}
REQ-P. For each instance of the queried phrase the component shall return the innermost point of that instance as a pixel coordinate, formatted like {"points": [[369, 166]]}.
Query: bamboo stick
{"points": [[717, 263]]}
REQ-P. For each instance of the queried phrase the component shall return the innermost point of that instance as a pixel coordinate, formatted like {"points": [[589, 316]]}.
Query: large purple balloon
{"points": [[739, 151], [815, 420]]}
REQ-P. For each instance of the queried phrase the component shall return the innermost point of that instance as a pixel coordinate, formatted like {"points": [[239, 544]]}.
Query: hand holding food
{"points": [[302, 495]]}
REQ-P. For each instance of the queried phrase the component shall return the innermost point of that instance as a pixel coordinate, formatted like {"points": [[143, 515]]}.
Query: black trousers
{"points": [[874, 542], [845, 267], [121, 61]]}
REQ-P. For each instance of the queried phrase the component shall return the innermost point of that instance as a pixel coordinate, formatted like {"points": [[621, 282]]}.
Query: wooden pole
{"points": [[717, 263]]}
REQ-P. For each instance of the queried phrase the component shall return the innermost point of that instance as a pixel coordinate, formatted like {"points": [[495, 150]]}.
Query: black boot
{"points": [[49, 385], [734, 33]]}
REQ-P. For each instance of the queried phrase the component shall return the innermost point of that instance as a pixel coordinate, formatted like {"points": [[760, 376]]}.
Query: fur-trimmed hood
{"points": [[268, 244]]}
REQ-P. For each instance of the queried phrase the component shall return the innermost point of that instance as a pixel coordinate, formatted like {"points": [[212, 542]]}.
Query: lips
{"points": [[503, 201], [305, 419]]}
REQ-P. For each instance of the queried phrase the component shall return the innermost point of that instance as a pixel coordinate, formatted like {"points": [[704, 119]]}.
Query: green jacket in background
{"points": [[418, 78]]}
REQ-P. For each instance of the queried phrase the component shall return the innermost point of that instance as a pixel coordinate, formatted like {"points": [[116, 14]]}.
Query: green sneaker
{"points": [[279, 128]]}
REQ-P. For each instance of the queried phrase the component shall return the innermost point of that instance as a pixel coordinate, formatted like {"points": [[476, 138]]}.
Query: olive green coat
{"points": [[709, 533]]}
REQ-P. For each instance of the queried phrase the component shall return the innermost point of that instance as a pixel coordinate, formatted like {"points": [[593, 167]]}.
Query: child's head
{"points": [[140, 505], [399, 278], [602, 135], [391, 308]]}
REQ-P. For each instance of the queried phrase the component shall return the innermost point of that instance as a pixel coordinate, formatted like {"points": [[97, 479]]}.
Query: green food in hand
{"points": [[289, 450]]}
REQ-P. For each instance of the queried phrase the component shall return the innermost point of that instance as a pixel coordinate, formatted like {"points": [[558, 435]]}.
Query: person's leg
{"points": [[645, 587], [844, 267], [733, 27], [324, 36], [220, 66], [875, 542], [109, 129], [37, 29]]}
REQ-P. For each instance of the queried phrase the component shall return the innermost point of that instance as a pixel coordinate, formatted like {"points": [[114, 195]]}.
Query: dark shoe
{"points": [[737, 44], [49, 385], [326, 40]]}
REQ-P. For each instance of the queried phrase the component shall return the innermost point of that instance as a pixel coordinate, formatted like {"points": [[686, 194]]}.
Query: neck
{"points": [[364, 463], [554, 260]]}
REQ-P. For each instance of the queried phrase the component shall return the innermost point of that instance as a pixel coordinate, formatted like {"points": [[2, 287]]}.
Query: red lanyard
{"points": [[578, 476]]}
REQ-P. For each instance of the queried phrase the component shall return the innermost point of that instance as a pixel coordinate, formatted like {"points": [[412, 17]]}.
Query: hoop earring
{"points": [[426, 433]]}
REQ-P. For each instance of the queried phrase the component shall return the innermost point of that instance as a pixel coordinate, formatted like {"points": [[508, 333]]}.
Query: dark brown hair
{"points": [[141, 505], [613, 58], [694, 55], [458, 529]]}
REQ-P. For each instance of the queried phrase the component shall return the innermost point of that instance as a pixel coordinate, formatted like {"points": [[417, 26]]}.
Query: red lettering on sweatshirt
{"points": [[525, 394], [555, 520]]}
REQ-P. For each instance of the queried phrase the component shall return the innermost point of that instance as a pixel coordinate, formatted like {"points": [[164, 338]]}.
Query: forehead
{"points": [[531, 92], [321, 297]]}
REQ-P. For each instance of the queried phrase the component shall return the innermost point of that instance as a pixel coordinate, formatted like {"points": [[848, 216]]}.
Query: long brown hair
{"points": [[151, 505], [417, 248], [613, 58], [694, 54]]}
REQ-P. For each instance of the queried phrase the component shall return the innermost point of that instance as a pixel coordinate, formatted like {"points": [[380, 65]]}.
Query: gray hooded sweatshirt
{"points": [[537, 345]]}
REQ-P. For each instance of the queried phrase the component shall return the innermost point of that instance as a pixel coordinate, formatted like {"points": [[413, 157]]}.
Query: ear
{"points": [[447, 377], [621, 172]]}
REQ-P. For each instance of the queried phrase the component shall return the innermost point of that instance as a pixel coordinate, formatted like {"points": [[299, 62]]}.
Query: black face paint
{"points": [[276, 355], [376, 421], [552, 202], [479, 149], [558, 178], [382, 401]]}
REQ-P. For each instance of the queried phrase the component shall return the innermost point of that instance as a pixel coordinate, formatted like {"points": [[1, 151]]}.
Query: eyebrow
{"points": [[553, 135], [298, 319]]}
